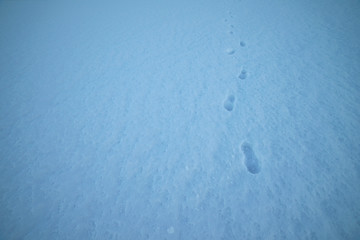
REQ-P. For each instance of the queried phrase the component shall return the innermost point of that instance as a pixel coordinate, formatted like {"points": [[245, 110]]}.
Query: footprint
{"points": [[243, 74], [242, 43], [230, 51], [229, 103], [251, 161]]}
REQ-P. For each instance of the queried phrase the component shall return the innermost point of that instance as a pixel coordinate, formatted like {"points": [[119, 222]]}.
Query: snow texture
{"points": [[179, 119]]}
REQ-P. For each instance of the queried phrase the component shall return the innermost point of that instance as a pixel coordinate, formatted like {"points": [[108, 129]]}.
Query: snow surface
{"points": [[180, 119]]}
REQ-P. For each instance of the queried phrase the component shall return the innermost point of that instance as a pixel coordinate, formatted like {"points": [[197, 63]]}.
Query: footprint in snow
{"points": [[243, 74], [251, 162], [229, 103], [230, 51]]}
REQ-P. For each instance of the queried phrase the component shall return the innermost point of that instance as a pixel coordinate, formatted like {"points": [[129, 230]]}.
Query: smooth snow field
{"points": [[202, 119]]}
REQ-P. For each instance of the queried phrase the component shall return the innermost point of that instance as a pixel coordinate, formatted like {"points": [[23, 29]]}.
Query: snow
{"points": [[180, 120], [170, 230]]}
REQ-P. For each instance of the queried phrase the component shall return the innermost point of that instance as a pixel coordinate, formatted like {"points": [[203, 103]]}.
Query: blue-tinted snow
{"points": [[184, 120]]}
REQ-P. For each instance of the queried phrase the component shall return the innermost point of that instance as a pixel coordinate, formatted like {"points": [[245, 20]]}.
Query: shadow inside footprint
{"points": [[242, 74], [251, 161], [229, 103], [230, 51]]}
